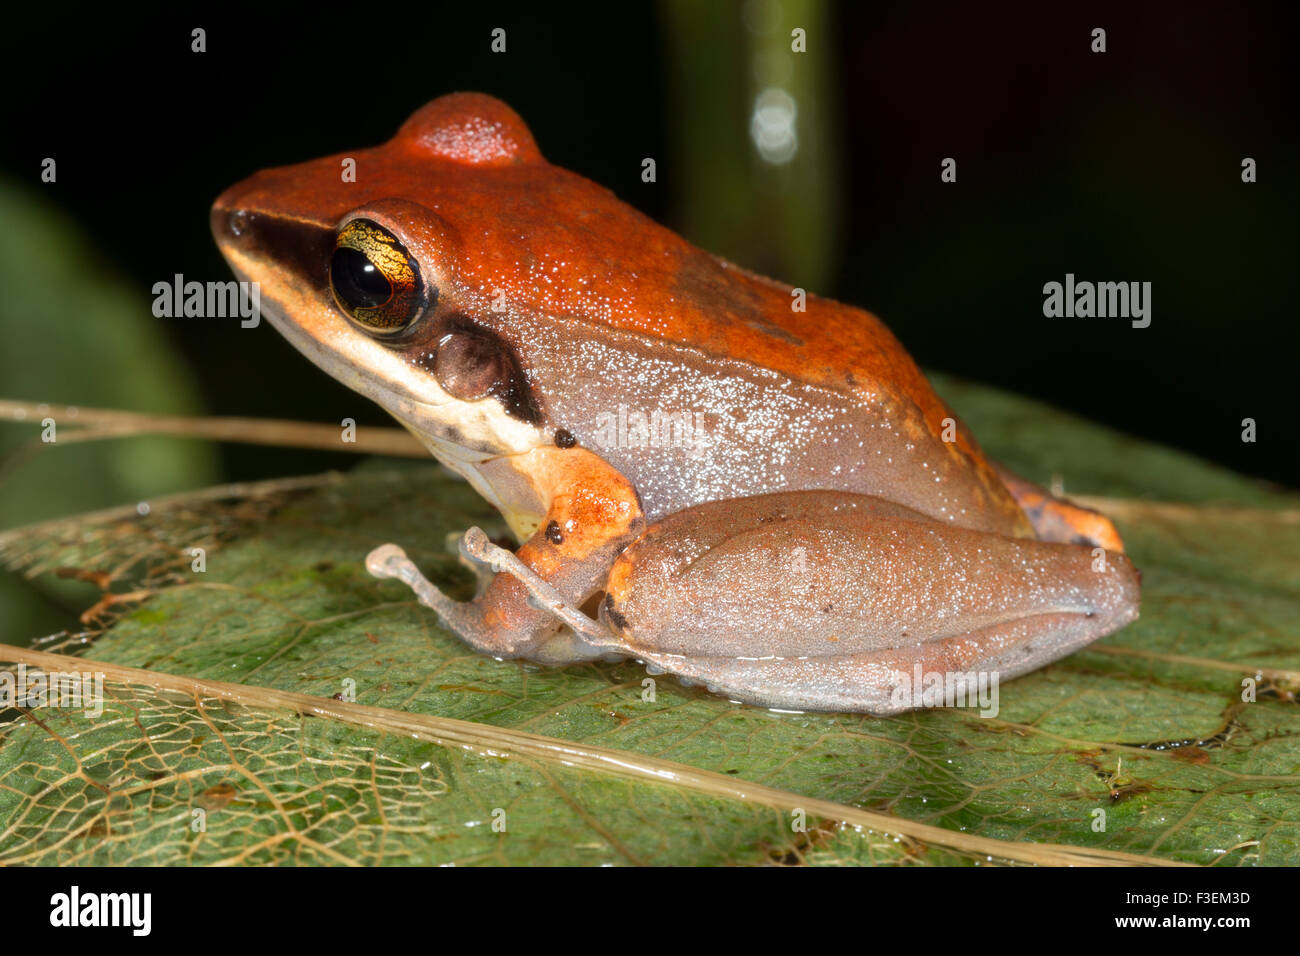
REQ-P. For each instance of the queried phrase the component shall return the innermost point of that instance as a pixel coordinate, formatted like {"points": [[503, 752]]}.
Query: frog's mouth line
{"points": [[470, 431]]}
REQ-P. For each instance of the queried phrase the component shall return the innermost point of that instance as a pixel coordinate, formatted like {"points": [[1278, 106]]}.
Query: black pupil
{"points": [[357, 281]]}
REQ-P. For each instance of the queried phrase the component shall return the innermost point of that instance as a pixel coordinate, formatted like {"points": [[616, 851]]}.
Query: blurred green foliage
{"points": [[75, 333], [777, 218]]}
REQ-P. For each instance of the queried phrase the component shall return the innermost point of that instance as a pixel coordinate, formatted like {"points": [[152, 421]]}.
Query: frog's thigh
{"points": [[827, 601]]}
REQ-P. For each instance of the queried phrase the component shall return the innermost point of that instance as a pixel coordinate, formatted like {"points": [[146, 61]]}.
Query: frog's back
{"points": [[564, 247], [639, 279], [555, 242], [593, 260]]}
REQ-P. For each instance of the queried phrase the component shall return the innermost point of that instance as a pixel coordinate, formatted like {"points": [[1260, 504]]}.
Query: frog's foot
{"points": [[1056, 519], [482, 573], [593, 515], [519, 615], [478, 548], [390, 561]]}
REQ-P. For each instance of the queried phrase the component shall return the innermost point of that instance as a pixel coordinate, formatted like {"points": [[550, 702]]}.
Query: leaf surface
{"points": [[1147, 727]]}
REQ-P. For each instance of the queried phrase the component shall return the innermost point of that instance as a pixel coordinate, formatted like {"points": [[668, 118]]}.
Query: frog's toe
{"points": [[1059, 519]]}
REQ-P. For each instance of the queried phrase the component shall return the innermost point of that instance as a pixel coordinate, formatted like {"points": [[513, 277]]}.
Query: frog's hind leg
{"points": [[830, 601], [1056, 519]]}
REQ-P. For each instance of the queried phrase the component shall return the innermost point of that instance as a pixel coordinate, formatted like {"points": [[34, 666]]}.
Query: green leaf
{"points": [[1148, 725]]}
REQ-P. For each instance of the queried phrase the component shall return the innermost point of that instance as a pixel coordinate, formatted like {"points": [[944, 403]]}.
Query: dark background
{"points": [[1122, 166]]}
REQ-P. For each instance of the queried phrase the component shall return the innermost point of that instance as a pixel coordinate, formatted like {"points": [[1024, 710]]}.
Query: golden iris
{"points": [[375, 281]]}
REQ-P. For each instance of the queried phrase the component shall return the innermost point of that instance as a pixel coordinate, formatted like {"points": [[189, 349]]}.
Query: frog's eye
{"points": [[375, 280]]}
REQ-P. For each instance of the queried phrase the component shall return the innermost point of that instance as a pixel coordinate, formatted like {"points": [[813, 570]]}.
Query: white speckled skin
{"points": [[753, 430]]}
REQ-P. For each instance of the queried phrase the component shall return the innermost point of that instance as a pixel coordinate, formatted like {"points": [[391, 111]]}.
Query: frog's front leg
{"points": [[591, 515], [830, 601]]}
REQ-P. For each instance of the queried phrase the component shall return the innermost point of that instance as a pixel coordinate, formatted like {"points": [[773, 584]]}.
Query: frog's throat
{"points": [[523, 517], [487, 431], [461, 435]]}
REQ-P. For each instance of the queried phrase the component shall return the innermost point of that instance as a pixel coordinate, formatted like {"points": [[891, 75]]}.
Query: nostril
{"points": [[237, 222], [231, 224]]}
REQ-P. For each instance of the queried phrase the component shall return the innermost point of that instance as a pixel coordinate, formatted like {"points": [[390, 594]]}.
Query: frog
{"points": [[718, 475]]}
